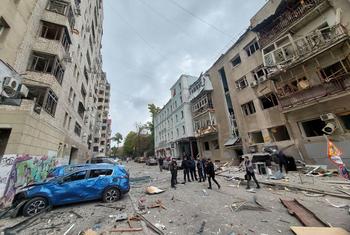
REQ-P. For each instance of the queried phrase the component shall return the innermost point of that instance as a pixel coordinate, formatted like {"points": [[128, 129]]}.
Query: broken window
{"points": [[81, 110], [248, 108], [57, 6], [75, 176], [241, 83], [86, 75], [252, 47], [83, 91], [95, 149], [215, 144], [260, 74], [51, 31], [292, 86], [46, 63], [346, 121], [236, 60], [77, 129], [51, 103], [206, 146], [279, 133], [335, 71], [313, 127], [3, 25], [100, 172], [256, 137], [268, 101]]}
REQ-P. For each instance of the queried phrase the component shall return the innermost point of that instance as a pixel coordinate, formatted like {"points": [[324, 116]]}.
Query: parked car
{"points": [[102, 160], [151, 161], [90, 182], [168, 160], [140, 159]]}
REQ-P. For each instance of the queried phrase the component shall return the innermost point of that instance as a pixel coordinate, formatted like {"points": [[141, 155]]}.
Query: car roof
{"points": [[90, 166]]}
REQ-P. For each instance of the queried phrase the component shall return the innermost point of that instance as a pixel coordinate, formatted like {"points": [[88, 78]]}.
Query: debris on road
{"points": [[205, 193], [160, 226], [153, 190], [157, 204], [120, 208], [69, 229], [121, 230], [304, 215], [318, 231], [119, 217], [150, 225], [201, 229]]}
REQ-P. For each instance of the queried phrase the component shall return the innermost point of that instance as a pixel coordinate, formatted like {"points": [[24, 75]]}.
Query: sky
{"points": [[148, 44]]}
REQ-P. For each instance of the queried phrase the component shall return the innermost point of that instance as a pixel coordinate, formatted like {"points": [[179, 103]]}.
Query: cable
{"points": [[199, 18]]}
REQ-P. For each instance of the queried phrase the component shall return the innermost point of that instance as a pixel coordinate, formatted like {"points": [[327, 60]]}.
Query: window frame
{"points": [[234, 61], [248, 108]]}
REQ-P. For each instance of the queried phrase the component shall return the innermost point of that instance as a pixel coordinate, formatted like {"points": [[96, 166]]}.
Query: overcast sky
{"points": [[148, 44]]}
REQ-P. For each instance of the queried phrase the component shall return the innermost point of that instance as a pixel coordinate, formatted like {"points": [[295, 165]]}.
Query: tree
{"points": [[117, 138], [153, 109], [129, 144]]}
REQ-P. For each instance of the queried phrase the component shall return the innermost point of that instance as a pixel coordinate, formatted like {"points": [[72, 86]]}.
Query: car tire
{"points": [[35, 206], [111, 195]]}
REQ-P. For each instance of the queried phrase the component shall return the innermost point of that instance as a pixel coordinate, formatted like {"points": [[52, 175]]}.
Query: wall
{"points": [[20, 170]]}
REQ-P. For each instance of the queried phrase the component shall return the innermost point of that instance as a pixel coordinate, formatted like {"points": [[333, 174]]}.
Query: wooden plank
{"points": [[304, 215], [318, 231], [116, 230]]}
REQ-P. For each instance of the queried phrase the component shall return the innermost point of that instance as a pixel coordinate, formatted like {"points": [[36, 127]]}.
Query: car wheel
{"points": [[35, 206], [111, 195]]}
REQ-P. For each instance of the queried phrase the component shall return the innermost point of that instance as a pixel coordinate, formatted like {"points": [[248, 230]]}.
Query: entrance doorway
{"points": [[73, 155], [4, 138]]}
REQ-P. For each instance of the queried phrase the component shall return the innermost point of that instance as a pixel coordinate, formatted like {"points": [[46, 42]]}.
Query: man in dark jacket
{"points": [[211, 173], [186, 168], [192, 164], [200, 169], [160, 162], [250, 172], [173, 171], [204, 164], [282, 160]]}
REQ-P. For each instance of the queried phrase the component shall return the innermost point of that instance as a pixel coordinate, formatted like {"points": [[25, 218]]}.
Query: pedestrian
{"points": [[192, 164], [200, 169], [173, 171], [160, 162], [186, 168], [282, 160], [211, 173], [204, 171], [250, 172]]}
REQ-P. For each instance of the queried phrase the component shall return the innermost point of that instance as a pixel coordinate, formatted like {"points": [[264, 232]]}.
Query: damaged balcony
{"points": [[333, 81], [289, 16], [289, 52]]}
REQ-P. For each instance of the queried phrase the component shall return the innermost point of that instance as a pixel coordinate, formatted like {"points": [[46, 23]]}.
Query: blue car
{"points": [[84, 183]]}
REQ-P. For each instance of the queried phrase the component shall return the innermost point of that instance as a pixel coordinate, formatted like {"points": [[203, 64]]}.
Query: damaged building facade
{"points": [[173, 125], [56, 47]]}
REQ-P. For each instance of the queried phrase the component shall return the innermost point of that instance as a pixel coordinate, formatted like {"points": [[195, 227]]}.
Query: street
{"points": [[191, 208]]}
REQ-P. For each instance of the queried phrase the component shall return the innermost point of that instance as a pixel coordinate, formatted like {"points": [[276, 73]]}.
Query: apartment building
{"points": [[56, 46], [102, 133], [204, 118], [306, 51], [173, 125]]}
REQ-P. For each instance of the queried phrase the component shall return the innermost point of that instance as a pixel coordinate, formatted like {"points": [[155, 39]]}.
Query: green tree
{"points": [[117, 138], [153, 109], [129, 144]]}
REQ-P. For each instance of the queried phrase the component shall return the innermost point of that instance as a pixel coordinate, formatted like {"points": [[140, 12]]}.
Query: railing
{"points": [[294, 99], [206, 130], [300, 48], [203, 109], [284, 21]]}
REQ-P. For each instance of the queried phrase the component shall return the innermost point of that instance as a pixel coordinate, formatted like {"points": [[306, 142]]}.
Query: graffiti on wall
{"points": [[17, 171]]}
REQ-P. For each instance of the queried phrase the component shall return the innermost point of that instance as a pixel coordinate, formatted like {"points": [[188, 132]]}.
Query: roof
{"points": [[90, 166]]}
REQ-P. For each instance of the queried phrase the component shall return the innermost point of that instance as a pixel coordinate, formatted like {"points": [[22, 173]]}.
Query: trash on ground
{"points": [[119, 217], [153, 190], [318, 231], [160, 226], [205, 193]]}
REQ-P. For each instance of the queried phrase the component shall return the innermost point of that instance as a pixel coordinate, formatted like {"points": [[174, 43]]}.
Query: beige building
{"points": [[56, 46]]}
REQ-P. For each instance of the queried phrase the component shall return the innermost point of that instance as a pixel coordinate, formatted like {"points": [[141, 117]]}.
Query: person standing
{"points": [[282, 160], [192, 164], [160, 162], [250, 172], [211, 173], [204, 171], [173, 171], [200, 169], [186, 168]]}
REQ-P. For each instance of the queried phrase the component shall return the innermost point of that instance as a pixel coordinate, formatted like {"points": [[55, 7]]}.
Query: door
{"points": [[71, 188], [96, 182]]}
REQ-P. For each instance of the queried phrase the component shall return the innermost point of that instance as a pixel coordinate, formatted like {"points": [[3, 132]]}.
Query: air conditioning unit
{"points": [[11, 85], [262, 78], [327, 117], [253, 84], [23, 90]]}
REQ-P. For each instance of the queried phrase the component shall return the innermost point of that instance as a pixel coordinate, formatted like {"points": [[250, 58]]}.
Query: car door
{"points": [[71, 188], [96, 182]]}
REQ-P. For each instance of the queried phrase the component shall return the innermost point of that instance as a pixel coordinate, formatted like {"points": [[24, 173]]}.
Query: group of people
{"points": [[190, 166]]}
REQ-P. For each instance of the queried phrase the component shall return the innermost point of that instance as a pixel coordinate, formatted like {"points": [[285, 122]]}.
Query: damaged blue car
{"points": [[84, 183]]}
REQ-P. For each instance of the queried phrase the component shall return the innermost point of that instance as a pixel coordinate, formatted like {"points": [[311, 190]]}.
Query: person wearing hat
{"points": [[211, 173], [250, 172], [173, 171]]}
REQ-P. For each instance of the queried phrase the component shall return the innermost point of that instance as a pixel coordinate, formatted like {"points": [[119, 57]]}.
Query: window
{"points": [[268, 101], [236, 60], [183, 130], [70, 97], [40, 62], [51, 103], [69, 121], [73, 101], [215, 144], [77, 129], [177, 132], [95, 149], [176, 118], [83, 91], [346, 121], [224, 79], [260, 74], [3, 25], [252, 47], [335, 70], [59, 7], [86, 75], [248, 108], [76, 176], [241, 83], [88, 58], [313, 128], [100, 172], [182, 114], [65, 119], [81, 110], [256, 137], [206, 146], [279, 133]]}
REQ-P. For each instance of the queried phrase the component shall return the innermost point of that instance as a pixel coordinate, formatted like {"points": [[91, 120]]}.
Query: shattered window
{"points": [[76, 176], [59, 7], [313, 128], [268, 101], [346, 121], [100, 172]]}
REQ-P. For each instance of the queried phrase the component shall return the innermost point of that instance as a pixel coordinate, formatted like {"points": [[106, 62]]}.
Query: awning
{"points": [[231, 141]]}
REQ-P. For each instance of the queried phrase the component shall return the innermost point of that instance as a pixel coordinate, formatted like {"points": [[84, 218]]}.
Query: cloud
{"points": [[148, 44]]}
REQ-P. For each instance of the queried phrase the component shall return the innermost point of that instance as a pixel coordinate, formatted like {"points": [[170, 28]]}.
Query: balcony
{"points": [[292, 99], [52, 47], [204, 131], [295, 51], [289, 15], [206, 108]]}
